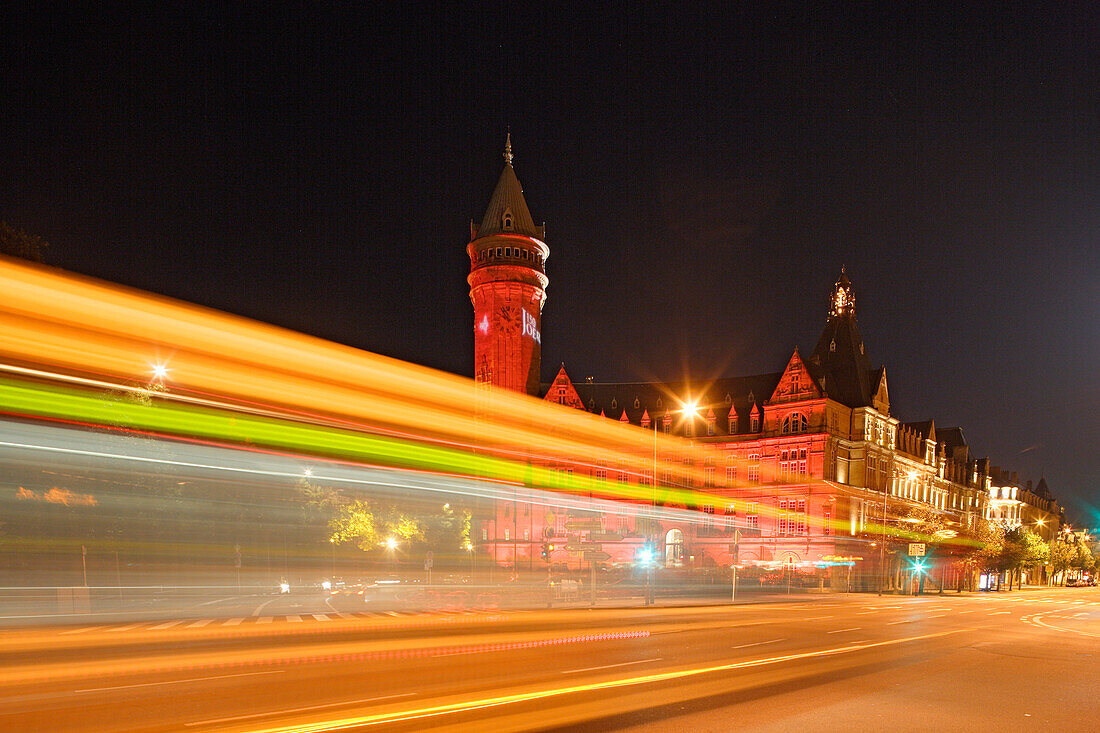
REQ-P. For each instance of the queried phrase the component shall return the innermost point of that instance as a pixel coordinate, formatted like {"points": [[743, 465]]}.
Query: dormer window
{"points": [[832, 345], [506, 221]]}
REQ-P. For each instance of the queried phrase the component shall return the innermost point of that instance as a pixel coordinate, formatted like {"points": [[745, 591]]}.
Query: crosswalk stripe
{"points": [[265, 619], [345, 615], [124, 628], [294, 618], [320, 617], [233, 622], [200, 622], [167, 624]]}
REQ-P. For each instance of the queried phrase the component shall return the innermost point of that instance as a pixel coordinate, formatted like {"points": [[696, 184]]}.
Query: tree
{"points": [[354, 522], [18, 243]]}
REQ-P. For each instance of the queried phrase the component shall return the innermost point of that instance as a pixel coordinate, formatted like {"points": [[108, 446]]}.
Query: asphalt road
{"points": [[1022, 661]]}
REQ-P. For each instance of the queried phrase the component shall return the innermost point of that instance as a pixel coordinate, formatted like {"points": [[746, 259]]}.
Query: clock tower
{"points": [[508, 287]]}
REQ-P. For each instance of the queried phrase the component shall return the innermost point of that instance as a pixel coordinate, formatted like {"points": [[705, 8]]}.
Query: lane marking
{"points": [[997, 613], [265, 619], [842, 631], [179, 682], [79, 631], [906, 621], [457, 707], [816, 618], [261, 607], [320, 617], [200, 622], [123, 628], [294, 619], [298, 710], [759, 643], [609, 666], [233, 622]]}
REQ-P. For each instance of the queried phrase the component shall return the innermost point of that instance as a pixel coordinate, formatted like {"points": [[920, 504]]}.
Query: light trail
{"points": [[473, 705]]}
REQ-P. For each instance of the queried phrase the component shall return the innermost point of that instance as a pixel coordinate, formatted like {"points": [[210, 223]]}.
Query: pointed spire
{"points": [[507, 211]]}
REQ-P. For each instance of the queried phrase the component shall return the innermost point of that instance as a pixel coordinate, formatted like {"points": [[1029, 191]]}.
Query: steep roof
{"points": [[840, 364], [508, 198]]}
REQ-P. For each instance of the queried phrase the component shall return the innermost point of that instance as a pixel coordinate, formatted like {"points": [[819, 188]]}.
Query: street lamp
{"points": [[332, 541]]}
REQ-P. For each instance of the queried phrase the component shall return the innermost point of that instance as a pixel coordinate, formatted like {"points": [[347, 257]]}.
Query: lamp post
{"points": [[332, 541]]}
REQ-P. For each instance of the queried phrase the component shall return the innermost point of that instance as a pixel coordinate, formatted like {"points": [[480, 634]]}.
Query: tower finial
{"points": [[508, 148]]}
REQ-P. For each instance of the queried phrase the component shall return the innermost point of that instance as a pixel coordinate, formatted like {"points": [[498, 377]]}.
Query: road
{"points": [[1026, 660]]}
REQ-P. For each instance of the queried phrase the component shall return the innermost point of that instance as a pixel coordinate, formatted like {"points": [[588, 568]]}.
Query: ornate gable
{"points": [[796, 383], [563, 392]]}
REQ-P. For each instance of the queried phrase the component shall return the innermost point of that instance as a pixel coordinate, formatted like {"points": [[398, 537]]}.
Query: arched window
{"points": [[506, 221], [794, 423], [674, 549]]}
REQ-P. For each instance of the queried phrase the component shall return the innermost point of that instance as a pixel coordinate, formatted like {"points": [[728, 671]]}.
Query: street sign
{"points": [[604, 537], [916, 549], [596, 556], [429, 560], [583, 546]]}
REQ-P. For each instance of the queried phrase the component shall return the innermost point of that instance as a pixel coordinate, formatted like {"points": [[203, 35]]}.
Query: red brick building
{"points": [[794, 468]]}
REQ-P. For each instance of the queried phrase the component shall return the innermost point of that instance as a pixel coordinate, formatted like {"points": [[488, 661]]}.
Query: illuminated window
{"points": [[708, 519], [507, 223], [507, 534], [484, 534], [731, 509], [794, 423], [731, 474], [826, 520], [526, 534], [708, 475]]}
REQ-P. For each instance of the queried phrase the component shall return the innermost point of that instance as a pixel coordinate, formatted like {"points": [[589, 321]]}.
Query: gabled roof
{"points": [[797, 383], [508, 198], [1041, 489]]}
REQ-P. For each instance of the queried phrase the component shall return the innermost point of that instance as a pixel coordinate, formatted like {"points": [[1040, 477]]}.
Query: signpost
{"points": [[916, 549], [596, 556], [429, 561]]}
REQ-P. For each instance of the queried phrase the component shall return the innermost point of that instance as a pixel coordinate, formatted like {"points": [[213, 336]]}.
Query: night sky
{"points": [[704, 174]]}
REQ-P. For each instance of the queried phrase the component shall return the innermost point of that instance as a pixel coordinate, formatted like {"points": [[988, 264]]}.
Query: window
{"points": [[507, 220], [601, 473], [708, 519], [507, 534], [795, 423], [826, 520], [710, 426], [507, 251], [708, 476], [754, 424], [523, 253], [622, 472], [666, 423], [484, 534], [500, 251], [731, 474], [731, 510], [526, 534]]}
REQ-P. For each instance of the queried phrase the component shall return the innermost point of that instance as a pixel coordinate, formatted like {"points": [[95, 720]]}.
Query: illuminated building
{"points": [[507, 287], [798, 466]]}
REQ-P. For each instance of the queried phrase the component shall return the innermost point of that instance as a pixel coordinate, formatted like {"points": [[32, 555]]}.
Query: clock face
{"points": [[508, 319]]}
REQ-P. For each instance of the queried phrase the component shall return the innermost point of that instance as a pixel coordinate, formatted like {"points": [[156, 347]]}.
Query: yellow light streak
{"points": [[458, 707]]}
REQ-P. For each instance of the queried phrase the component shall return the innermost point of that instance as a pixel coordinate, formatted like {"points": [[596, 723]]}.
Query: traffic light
{"points": [[545, 551], [918, 565]]}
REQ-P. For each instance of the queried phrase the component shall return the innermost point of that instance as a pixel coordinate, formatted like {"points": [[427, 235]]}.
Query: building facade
{"points": [[803, 468]]}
